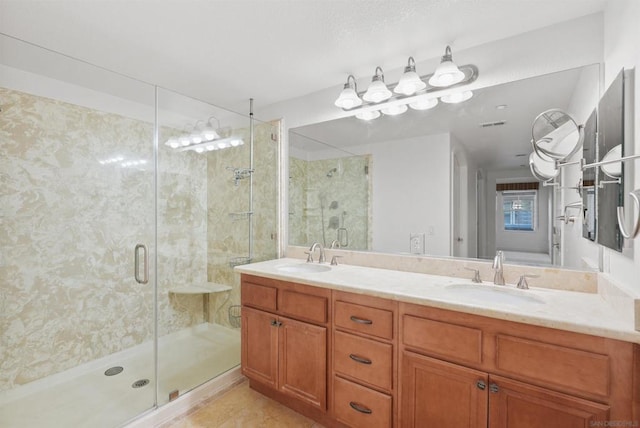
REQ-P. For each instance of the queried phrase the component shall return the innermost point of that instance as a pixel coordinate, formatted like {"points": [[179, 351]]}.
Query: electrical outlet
{"points": [[417, 243]]}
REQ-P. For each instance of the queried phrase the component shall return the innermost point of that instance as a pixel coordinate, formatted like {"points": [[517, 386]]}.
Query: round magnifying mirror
{"points": [[556, 135], [542, 169], [613, 170]]}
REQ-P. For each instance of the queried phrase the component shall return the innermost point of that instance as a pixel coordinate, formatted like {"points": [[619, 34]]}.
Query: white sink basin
{"points": [[497, 293], [303, 268]]}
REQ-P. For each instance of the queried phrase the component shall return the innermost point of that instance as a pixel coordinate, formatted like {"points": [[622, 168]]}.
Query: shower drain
{"points": [[140, 383], [113, 371]]}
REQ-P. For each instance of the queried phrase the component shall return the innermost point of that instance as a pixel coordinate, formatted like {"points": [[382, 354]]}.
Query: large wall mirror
{"points": [[453, 180]]}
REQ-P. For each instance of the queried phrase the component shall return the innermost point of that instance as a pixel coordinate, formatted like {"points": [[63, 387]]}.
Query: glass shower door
{"points": [[77, 209]]}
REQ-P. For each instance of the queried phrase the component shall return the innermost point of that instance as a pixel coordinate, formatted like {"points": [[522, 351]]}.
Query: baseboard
{"points": [[186, 402]]}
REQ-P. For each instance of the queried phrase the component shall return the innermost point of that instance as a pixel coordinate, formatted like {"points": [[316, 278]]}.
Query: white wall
{"points": [[468, 203], [577, 252], [621, 36], [416, 200]]}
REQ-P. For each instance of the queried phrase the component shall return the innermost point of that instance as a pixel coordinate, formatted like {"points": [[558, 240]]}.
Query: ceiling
{"points": [[491, 148], [226, 51]]}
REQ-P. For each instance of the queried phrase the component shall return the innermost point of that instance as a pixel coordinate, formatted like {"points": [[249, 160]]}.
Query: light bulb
{"points": [[235, 142], [199, 149], [172, 142], [457, 97], [211, 147], [395, 110], [222, 145], [185, 141], [368, 115]]}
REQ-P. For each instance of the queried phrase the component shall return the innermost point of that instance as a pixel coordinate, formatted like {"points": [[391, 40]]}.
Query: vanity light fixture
{"points": [[377, 90], [447, 73], [349, 98], [205, 139], [411, 91], [410, 82]]}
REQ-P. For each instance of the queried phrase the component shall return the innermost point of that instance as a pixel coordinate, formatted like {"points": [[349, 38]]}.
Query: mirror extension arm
{"points": [[635, 195]]}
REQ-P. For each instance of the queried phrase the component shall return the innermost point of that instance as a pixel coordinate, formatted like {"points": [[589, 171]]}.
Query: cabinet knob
{"points": [[360, 408], [274, 323], [494, 388], [481, 385]]}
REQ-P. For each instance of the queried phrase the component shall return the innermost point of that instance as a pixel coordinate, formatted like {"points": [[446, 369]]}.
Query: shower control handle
{"points": [[145, 261]]}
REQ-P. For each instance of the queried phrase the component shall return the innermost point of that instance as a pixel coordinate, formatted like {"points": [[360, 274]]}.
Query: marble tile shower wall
{"points": [[330, 200], [69, 226], [228, 201]]}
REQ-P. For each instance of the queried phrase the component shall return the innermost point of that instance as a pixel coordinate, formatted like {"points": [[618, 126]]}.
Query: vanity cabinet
{"points": [[364, 360], [470, 371], [283, 353], [353, 360]]}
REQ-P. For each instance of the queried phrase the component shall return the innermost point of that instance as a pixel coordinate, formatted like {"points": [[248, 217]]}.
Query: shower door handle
{"points": [[145, 260]]}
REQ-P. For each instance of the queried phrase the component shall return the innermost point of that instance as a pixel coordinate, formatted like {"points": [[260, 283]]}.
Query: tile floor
{"points": [[241, 407]]}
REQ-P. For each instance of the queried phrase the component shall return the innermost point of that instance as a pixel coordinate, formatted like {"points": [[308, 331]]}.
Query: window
{"points": [[519, 208]]}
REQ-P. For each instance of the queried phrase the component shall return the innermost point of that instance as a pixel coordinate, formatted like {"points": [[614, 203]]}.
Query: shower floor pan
{"points": [[85, 397]]}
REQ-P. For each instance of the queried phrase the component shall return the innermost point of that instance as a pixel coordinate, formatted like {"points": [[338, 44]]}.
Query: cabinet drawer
{"points": [[546, 364], [259, 296], [303, 306], [363, 359], [364, 319], [443, 339], [357, 406]]}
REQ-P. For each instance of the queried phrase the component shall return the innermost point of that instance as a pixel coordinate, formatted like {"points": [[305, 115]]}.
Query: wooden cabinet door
{"points": [[439, 394], [514, 404], [260, 346], [303, 361]]}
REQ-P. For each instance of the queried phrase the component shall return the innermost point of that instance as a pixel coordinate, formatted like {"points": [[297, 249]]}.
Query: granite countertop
{"points": [[579, 312]]}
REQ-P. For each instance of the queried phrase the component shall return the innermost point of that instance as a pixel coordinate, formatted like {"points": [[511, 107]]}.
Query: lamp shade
{"points": [[395, 110], [377, 90], [424, 103], [348, 98], [368, 115], [410, 82], [457, 97], [447, 73], [208, 133]]}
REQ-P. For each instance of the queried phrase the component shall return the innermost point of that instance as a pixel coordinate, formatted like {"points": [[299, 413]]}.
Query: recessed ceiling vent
{"points": [[490, 124]]}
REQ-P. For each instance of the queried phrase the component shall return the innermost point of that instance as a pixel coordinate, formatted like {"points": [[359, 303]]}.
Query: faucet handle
{"points": [[476, 275], [309, 257], [334, 260], [522, 282]]}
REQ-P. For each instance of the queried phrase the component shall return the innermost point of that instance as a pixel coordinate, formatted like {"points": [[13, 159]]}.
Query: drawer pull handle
{"points": [[360, 408], [359, 359], [360, 320]]}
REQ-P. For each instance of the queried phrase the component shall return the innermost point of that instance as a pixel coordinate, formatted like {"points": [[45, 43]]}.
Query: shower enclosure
{"points": [[120, 230]]}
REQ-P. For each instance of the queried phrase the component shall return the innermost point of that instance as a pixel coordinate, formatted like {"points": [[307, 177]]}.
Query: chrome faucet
{"points": [[313, 248], [498, 261]]}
